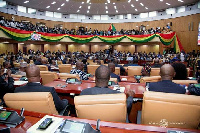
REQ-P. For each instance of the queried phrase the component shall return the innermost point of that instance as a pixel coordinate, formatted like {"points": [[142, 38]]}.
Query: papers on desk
{"points": [[124, 79], [20, 82], [120, 89], [51, 129]]}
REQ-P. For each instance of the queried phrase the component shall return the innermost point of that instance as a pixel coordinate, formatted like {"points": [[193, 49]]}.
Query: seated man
{"points": [[22, 69], [112, 70], [33, 85], [79, 70], [156, 64], [6, 87], [146, 70], [102, 76], [166, 85]]}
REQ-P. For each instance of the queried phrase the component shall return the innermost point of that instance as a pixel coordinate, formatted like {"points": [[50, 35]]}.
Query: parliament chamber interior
{"points": [[89, 66]]}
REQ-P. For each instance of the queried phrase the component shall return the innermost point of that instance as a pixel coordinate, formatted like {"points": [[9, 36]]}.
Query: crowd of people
{"points": [[28, 26]]}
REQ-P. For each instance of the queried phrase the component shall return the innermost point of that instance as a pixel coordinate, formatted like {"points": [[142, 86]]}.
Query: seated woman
{"points": [[181, 71]]}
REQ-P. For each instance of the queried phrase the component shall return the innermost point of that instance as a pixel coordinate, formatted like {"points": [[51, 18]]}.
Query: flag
{"points": [[112, 27]]}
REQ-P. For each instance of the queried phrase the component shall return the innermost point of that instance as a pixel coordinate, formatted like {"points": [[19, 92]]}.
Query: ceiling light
{"points": [[161, 0], [180, 1], [63, 4], [88, 1], [106, 11], [47, 6], [78, 10], [141, 4], [113, 3], [80, 6], [129, 1], [168, 4], [67, 0], [82, 2], [58, 9], [88, 7], [106, 7], [132, 5], [26, 1], [106, 3], [88, 11], [116, 11], [146, 8], [136, 10], [115, 7], [136, 0], [53, 2]]}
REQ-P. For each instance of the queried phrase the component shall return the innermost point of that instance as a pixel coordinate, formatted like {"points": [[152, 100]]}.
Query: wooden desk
{"points": [[106, 127], [77, 88]]}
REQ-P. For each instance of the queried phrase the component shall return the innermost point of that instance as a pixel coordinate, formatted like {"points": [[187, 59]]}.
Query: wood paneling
{"points": [[54, 47], [148, 48], [180, 25], [5, 48], [78, 47]]}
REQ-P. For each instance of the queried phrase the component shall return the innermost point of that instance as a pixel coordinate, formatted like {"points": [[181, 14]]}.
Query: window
{"points": [[31, 11], [2, 3], [21, 9], [49, 14], [57, 15]]}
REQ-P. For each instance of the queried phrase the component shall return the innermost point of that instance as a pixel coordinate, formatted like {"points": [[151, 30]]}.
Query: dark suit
{"points": [[156, 66], [6, 87], [113, 75], [99, 90], [37, 87], [167, 86]]}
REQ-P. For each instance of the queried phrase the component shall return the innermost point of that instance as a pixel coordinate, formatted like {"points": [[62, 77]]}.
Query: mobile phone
{"points": [[45, 123]]}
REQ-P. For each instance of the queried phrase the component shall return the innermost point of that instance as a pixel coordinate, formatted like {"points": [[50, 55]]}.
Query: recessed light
{"points": [[132, 5], [136, 10], [58, 9], [63, 4], [161, 0], [67, 0], [82, 2], [78, 10], [88, 11], [106, 7], [113, 3], [116, 10], [80, 6], [53, 2], [146, 8], [88, 7], [106, 3], [88, 1], [141, 4], [106, 11], [47, 6], [168, 4], [26, 1], [136, 0], [115, 7], [129, 1]]}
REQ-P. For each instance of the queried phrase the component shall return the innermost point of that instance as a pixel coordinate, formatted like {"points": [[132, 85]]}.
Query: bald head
{"points": [[102, 75], [111, 66], [156, 61], [33, 73], [167, 72], [79, 65]]}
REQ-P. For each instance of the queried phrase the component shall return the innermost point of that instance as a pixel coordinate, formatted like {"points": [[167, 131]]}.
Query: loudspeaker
{"points": [[170, 23]]}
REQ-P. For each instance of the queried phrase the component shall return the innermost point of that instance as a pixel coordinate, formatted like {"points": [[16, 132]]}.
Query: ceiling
{"points": [[98, 7]]}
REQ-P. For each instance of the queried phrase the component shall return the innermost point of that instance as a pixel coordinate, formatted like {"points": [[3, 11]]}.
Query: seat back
{"points": [[65, 68], [43, 67], [59, 62], [107, 107], [47, 78], [188, 72], [134, 70], [185, 82], [117, 70], [170, 110], [55, 75], [41, 102], [1, 61], [92, 68], [66, 76], [150, 79], [16, 64], [155, 72]]}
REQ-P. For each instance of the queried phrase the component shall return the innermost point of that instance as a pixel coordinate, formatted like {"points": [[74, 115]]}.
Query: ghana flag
{"points": [[112, 27]]}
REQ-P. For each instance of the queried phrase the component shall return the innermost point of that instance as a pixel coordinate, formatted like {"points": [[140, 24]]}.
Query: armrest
{"points": [[65, 111], [135, 100]]}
